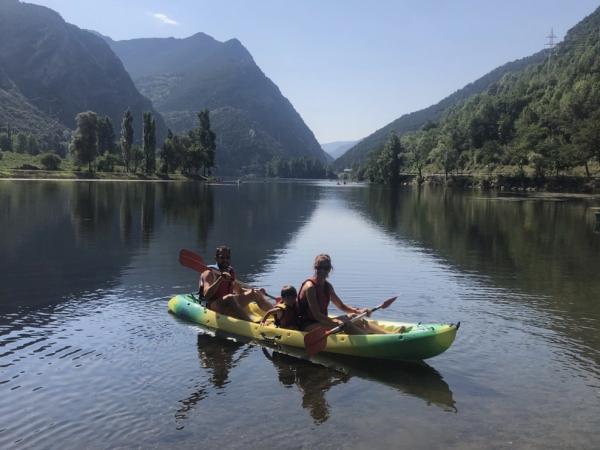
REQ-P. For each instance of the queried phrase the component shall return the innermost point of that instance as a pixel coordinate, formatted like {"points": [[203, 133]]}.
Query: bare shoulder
{"points": [[208, 275]]}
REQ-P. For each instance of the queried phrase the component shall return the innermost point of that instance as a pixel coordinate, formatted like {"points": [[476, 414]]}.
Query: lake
{"points": [[90, 357]]}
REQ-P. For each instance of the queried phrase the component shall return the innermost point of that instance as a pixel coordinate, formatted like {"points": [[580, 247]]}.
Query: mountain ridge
{"points": [[62, 70], [415, 120], [254, 122]]}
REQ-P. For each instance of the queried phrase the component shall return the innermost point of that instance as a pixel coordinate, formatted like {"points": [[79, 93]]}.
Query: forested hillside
{"points": [[253, 121], [51, 70], [359, 154], [545, 119]]}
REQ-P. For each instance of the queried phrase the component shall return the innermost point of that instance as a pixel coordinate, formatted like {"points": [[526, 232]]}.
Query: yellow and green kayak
{"points": [[416, 341]]}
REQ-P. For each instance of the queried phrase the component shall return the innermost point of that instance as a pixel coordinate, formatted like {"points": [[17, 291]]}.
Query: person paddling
{"points": [[223, 294], [313, 302]]}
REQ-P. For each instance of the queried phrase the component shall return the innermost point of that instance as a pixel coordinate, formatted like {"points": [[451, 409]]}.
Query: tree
{"points": [[389, 160], [33, 145], [207, 140], [5, 142], [587, 141], [106, 136], [137, 157], [20, 144], [51, 161], [445, 154], [127, 139], [84, 143], [149, 143], [167, 154]]}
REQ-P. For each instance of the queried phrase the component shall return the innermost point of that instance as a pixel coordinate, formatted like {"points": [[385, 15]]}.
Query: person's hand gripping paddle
{"points": [[315, 341]]}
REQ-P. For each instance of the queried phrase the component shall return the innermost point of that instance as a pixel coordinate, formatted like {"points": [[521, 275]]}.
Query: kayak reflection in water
{"points": [[313, 302], [312, 380], [225, 295]]}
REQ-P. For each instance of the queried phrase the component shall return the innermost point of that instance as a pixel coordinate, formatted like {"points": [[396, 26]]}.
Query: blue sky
{"points": [[350, 67]]}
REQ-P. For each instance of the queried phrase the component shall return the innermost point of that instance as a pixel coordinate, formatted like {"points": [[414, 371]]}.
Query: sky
{"points": [[350, 67]]}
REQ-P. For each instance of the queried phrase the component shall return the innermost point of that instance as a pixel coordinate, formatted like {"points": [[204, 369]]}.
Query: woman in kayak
{"points": [[223, 294], [313, 302]]}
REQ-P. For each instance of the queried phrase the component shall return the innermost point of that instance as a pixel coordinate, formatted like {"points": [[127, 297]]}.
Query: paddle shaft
{"points": [[354, 319]]}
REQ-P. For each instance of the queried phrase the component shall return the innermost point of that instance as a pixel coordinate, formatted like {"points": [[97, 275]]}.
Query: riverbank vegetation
{"points": [[94, 148]]}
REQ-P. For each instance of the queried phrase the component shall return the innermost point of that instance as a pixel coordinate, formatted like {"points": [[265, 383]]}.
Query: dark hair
{"points": [[288, 291], [222, 249]]}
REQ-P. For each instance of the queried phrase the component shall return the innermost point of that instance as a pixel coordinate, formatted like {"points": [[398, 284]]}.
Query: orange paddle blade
{"points": [[192, 260], [315, 341]]}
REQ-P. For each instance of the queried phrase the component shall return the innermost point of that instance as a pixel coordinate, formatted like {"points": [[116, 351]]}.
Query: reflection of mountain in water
{"points": [[542, 247]]}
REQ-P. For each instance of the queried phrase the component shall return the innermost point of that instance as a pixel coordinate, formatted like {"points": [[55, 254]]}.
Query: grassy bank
{"points": [[24, 166]]}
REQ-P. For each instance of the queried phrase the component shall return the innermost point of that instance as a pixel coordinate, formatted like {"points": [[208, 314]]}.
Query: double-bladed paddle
{"points": [[315, 341], [194, 261]]}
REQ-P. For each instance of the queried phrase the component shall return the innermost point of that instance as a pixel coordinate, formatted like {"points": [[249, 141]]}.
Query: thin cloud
{"points": [[165, 19]]}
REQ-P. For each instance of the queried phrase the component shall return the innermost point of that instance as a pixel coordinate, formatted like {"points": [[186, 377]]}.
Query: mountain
{"points": [[542, 120], [52, 70], [18, 113], [415, 120], [253, 121], [337, 148]]}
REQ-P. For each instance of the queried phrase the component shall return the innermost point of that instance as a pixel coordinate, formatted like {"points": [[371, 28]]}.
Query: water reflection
{"points": [[416, 379], [219, 354], [312, 380], [218, 357]]}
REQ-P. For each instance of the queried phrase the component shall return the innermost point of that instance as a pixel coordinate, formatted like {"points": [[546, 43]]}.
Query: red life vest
{"points": [[226, 287], [323, 296]]}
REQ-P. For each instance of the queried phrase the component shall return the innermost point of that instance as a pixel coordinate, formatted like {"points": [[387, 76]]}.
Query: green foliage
{"points": [[547, 117], [106, 136], [108, 162], [5, 142], [84, 144], [303, 167], [51, 161], [207, 139], [126, 141], [20, 144], [384, 167], [149, 131], [137, 158], [33, 145]]}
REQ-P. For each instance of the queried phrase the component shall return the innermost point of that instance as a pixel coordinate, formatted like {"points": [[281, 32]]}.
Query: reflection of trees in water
{"points": [[148, 215], [540, 246], [313, 381], [191, 202]]}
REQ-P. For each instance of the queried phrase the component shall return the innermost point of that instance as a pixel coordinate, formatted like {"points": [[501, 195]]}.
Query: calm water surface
{"points": [[90, 358]]}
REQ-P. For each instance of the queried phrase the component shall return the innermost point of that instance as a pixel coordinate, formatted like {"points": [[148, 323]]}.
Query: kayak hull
{"points": [[421, 341]]}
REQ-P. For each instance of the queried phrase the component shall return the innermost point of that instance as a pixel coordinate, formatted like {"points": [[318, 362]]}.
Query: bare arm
{"points": [[341, 305], [269, 313], [211, 283]]}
